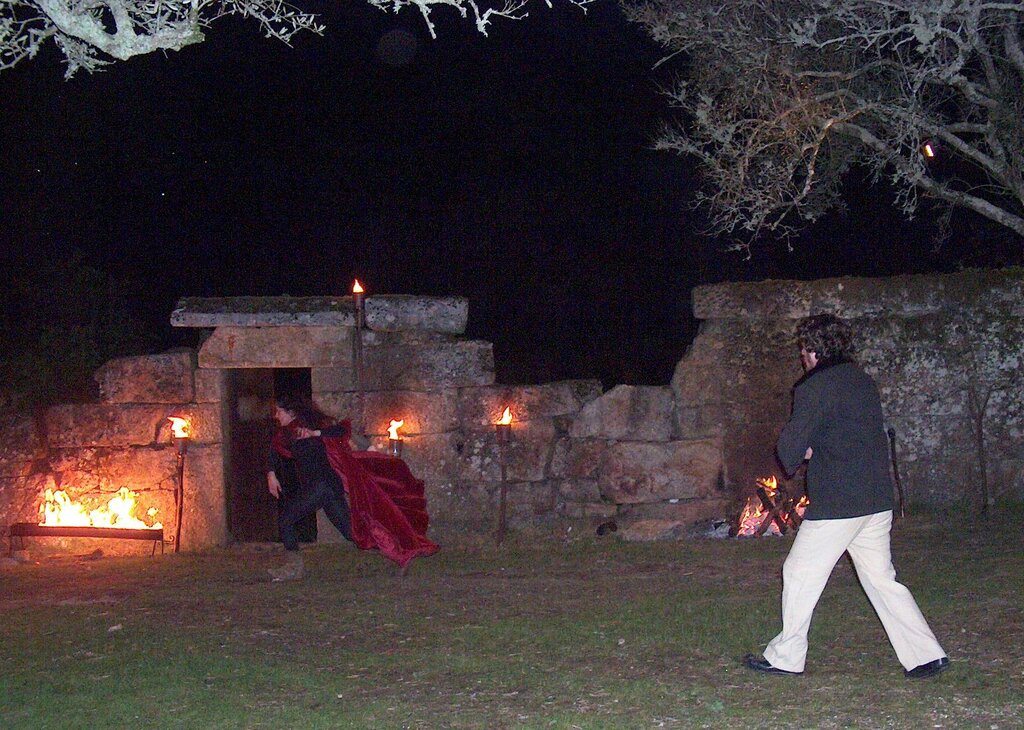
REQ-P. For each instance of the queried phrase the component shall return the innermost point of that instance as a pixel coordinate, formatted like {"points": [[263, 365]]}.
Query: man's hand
{"points": [[273, 485], [809, 454]]}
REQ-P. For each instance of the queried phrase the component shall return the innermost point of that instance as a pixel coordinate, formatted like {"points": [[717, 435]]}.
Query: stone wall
{"points": [[946, 351], [936, 344], [92, 450]]}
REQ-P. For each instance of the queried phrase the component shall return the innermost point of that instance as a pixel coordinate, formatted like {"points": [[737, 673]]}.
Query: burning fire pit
{"points": [[771, 510], [61, 517]]}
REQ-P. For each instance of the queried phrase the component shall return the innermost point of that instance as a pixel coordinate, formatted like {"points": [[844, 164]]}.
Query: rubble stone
{"points": [[627, 412], [649, 472], [164, 378]]}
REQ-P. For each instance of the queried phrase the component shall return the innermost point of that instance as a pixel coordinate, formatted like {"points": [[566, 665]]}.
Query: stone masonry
{"points": [[946, 351]]}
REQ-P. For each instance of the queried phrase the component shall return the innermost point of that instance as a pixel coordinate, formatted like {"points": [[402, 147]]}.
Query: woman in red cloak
{"points": [[372, 499]]}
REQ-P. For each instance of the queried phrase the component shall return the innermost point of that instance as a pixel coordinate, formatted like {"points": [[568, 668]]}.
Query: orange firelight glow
{"points": [[357, 288], [754, 512], [393, 429], [180, 427], [57, 509], [506, 417], [928, 150]]}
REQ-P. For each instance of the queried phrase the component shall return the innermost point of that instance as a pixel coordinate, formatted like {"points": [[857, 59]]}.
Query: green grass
{"points": [[595, 633]]}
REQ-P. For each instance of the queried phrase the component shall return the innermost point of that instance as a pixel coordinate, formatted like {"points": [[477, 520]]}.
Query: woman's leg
{"points": [[335, 506], [818, 546], [913, 641]]}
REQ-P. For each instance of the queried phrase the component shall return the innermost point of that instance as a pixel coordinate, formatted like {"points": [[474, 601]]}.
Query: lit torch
{"points": [[181, 431], [502, 434], [394, 440], [358, 296]]}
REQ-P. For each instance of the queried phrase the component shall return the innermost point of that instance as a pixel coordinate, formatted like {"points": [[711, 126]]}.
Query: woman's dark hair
{"points": [[826, 335], [304, 410]]}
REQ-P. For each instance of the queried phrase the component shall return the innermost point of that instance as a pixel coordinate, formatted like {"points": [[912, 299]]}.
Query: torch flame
{"points": [[57, 509], [506, 417], [357, 288], [180, 427], [393, 429]]}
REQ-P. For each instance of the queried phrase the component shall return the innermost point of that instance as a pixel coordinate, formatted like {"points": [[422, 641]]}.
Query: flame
{"points": [[180, 427], [506, 417], [928, 150], [57, 509], [754, 512], [357, 288], [393, 429]]}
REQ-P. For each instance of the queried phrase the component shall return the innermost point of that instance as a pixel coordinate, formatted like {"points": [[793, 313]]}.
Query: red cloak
{"points": [[386, 502]]}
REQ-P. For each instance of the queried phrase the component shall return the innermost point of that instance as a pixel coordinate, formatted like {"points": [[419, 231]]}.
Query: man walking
{"points": [[837, 424]]}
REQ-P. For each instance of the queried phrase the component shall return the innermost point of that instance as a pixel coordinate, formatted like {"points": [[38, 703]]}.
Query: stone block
{"points": [[108, 469], [20, 498], [383, 312], [210, 385], [652, 530], [480, 408], [20, 446], [577, 458], [423, 412], [163, 378], [627, 412], [527, 454], [683, 511], [592, 511], [434, 458], [204, 518], [277, 347], [654, 472], [578, 490], [697, 422], [434, 365], [92, 425], [457, 508]]}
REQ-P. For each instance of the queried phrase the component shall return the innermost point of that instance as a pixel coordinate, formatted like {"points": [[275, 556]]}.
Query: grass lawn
{"points": [[588, 633]]}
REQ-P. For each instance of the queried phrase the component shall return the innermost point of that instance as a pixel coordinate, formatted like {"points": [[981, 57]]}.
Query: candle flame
{"points": [[928, 150], [180, 427], [393, 429], [357, 288], [506, 417]]}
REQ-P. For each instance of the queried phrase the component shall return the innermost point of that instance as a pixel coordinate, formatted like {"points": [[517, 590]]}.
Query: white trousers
{"points": [[818, 546]]}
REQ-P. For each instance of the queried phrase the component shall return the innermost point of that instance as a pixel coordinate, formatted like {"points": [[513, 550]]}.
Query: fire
{"points": [[180, 427], [357, 288], [506, 417], [754, 512], [57, 509], [393, 429]]}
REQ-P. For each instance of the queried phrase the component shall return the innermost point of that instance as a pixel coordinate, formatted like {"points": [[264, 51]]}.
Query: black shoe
{"points": [[927, 670], [760, 664]]}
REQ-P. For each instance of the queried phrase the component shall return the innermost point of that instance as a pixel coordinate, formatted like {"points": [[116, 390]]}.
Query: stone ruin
{"points": [[945, 349]]}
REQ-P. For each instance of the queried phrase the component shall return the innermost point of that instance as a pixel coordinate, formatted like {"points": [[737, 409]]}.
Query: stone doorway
{"points": [[252, 510]]}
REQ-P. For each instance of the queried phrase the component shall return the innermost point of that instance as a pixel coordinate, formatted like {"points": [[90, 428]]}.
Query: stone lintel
{"points": [[388, 312], [277, 347]]}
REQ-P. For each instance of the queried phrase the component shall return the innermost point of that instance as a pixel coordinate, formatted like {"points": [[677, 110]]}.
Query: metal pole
{"points": [[502, 432], [179, 494]]}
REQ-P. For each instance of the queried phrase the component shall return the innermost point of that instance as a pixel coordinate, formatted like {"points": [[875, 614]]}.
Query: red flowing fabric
{"points": [[387, 505], [386, 502]]}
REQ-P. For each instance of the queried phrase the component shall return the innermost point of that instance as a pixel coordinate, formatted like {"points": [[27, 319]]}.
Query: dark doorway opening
{"points": [[252, 510]]}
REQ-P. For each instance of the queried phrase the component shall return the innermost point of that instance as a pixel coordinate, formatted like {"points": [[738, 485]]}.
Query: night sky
{"points": [[515, 170]]}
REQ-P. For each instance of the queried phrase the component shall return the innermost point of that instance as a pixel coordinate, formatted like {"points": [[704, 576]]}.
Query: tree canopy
{"points": [[94, 33], [780, 98]]}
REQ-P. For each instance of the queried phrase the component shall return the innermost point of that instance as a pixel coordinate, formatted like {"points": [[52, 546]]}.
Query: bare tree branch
{"points": [[781, 97]]}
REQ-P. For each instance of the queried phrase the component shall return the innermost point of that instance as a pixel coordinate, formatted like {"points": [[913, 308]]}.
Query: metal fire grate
{"points": [[21, 530]]}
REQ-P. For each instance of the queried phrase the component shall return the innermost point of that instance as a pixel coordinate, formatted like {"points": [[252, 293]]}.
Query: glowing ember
{"points": [[357, 288], [506, 417], [754, 512], [180, 427], [57, 509], [393, 429]]}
